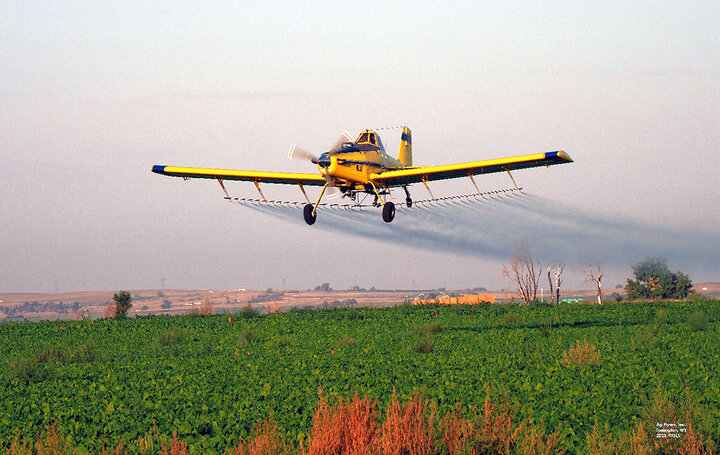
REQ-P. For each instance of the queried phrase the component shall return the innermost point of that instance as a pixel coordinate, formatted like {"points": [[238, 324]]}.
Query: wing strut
{"points": [[507, 169], [320, 197], [377, 194], [302, 188], [425, 180], [222, 185], [470, 174], [257, 185]]}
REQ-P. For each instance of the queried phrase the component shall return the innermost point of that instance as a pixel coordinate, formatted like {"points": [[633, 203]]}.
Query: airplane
{"points": [[363, 166]]}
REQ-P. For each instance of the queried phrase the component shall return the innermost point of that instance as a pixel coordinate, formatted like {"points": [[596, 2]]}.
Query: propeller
{"points": [[298, 153], [301, 154]]}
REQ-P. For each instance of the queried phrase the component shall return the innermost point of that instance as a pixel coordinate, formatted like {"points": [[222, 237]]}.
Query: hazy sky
{"points": [[94, 93]]}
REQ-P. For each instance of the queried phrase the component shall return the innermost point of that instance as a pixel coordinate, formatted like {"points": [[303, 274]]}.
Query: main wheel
{"points": [[408, 202], [310, 217], [388, 212]]}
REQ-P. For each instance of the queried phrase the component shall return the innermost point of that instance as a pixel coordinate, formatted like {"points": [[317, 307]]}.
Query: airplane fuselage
{"points": [[352, 165]]}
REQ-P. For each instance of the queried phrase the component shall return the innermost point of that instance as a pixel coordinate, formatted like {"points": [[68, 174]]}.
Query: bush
{"points": [[430, 328], [347, 340], [353, 314], [510, 318], [165, 304], [424, 345], [247, 336], [581, 354], [169, 337], [698, 321], [247, 312]]}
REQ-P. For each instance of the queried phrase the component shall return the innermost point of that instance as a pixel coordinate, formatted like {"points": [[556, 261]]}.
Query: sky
{"points": [[93, 94]]}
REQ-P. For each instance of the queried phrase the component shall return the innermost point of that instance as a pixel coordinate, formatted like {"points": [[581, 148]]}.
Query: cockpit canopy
{"points": [[369, 137]]}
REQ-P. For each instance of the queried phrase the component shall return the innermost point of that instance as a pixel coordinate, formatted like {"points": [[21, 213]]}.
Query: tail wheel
{"points": [[310, 217], [388, 212]]}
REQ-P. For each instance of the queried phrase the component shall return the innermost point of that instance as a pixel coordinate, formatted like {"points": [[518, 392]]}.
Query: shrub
{"points": [[247, 336], [165, 304], [247, 312], [510, 318], [581, 354], [353, 314], [698, 321], [169, 337], [424, 345], [430, 328], [207, 308], [347, 340]]}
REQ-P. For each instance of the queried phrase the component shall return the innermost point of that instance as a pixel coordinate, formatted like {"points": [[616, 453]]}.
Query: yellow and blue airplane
{"points": [[363, 166]]}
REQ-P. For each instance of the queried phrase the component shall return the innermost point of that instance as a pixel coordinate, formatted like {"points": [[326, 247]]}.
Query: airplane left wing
{"points": [[451, 171], [288, 178]]}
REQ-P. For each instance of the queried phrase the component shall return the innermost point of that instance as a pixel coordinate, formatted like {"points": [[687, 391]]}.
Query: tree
{"points": [[595, 277], [555, 285], [123, 302], [522, 272], [654, 280]]}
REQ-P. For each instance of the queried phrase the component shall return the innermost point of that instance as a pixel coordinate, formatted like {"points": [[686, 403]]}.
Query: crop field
{"points": [[569, 368]]}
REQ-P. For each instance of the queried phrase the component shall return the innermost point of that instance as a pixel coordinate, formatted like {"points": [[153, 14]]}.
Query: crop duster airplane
{"points": [[363, 166]]}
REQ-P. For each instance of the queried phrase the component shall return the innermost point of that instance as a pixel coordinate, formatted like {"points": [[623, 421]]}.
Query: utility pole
{"points": [[162, 283]]}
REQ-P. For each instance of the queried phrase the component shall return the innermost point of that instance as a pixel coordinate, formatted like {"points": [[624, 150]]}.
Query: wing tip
{"points": [[562, 155], [158, 168]]}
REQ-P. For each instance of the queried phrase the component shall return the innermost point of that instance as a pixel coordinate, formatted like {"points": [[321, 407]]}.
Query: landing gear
{"points": [[408, 199], [310, 217], [388, 212]]}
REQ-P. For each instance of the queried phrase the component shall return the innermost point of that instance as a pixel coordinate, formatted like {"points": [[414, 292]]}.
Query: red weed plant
{"points": [[109, 311], [344, 429], [176, 447], [265, 440], [408, 429], [488, 432], [207, 308]]}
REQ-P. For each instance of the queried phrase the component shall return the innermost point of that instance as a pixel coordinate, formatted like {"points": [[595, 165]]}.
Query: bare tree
{"points": [[595, 277], [558, 281], [550, 283], [524, 273]]}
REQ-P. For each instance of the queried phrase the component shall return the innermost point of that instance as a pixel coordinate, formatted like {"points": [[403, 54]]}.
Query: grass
{"points": [[169, 337], [581, 354], [431, 328], [247, 336], [424, 345], [698, 321]]}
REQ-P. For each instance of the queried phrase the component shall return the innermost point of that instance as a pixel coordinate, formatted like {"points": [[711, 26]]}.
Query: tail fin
{"points": [[405, 155]]}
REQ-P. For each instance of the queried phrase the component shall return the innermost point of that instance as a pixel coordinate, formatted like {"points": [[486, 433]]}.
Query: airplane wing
{"points": [[452, 171], [232, 174]]}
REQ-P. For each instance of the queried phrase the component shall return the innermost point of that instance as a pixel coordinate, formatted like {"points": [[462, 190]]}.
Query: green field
{"points": [[211, 379]]}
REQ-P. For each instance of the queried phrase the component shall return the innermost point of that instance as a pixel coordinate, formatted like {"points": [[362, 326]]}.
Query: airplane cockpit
{"points": [[369, 137]]}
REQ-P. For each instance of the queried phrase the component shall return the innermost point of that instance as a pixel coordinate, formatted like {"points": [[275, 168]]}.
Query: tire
{"points": [[310, 217], [388, 212]]}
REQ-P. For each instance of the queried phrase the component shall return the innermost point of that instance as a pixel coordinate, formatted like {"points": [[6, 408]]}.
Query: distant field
{"points": [[76, 305], [211, 378]]}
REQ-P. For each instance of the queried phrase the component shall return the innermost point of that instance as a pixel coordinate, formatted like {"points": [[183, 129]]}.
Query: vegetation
{"points": [[123, 303], [581, 354], [219, 381], [654, 280]]}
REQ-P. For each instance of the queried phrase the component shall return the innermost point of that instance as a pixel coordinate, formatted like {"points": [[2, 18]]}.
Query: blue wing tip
{"points": [[158, 168]]}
